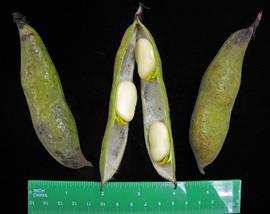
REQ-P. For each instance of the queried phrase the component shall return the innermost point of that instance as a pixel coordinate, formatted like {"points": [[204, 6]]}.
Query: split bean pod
{"points": [[138, 45]]}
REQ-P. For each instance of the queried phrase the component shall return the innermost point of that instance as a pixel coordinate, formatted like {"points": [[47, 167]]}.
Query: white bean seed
{"points": [[145, 59], [159, 141], [126, 100]]}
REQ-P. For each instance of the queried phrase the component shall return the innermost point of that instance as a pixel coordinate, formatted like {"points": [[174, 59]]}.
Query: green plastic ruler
{"points": [[220, 196]]}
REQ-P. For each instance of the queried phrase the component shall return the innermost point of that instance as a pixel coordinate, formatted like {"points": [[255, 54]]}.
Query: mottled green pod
{"points": [[217, 93], [116, 133], [155, 107], [52, 119]]}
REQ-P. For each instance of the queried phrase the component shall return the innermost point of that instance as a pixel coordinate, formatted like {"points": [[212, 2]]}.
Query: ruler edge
{"points": [[137, 182]]}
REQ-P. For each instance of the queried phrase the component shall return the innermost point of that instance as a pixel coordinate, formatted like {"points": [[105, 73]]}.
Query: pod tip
{"points": [[103, 181], [101, 186], [19, 19], [256, 22], [201, 169], [88, 163], [174, 184]]}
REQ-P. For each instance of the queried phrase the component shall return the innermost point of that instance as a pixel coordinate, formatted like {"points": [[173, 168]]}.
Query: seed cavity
{"points": [[145, 58]]}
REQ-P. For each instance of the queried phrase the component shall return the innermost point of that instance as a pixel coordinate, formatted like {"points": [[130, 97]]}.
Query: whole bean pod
{"points": [[51, 117], [218, 90]]}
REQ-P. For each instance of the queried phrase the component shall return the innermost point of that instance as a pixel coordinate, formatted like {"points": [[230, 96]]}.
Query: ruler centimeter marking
{"points": [[56, 197]]}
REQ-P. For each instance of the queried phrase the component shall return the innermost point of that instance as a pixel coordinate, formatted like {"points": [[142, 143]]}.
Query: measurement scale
{"points": [[79, 197]]}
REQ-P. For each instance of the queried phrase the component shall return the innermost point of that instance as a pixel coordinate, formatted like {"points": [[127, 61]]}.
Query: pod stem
{"points": [[19, 19], [138, 14], [256, 23]]}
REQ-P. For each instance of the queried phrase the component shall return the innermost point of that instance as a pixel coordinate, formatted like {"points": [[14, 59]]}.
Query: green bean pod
{"points": [[51, 117], [155, 107], [217, 93], [116, 132]]}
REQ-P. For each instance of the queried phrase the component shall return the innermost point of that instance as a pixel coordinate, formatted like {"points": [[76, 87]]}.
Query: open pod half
{"points": [[116, 133], [156, 108]]}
